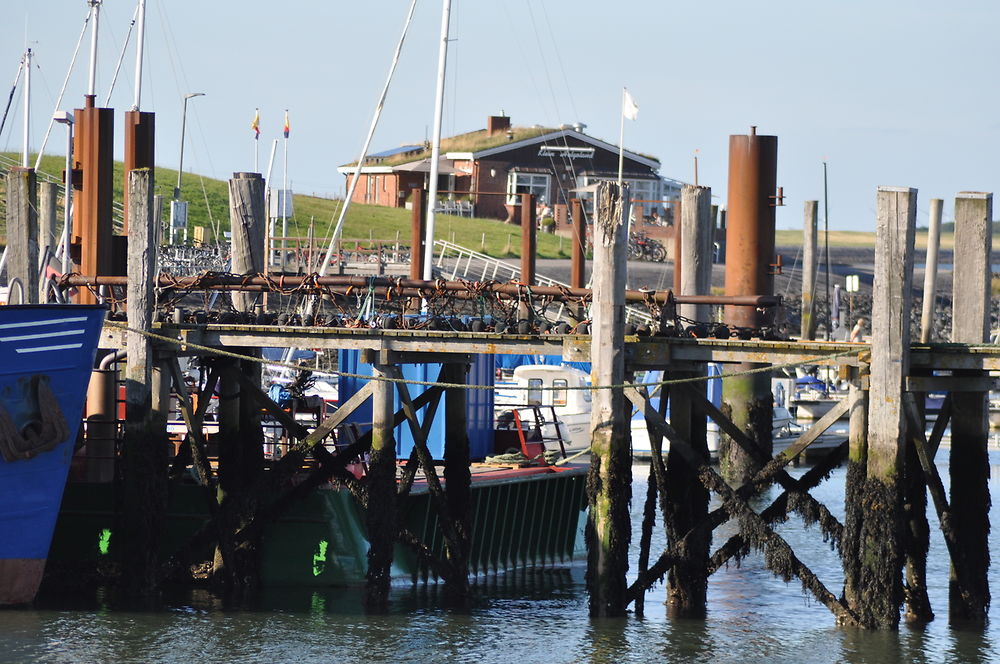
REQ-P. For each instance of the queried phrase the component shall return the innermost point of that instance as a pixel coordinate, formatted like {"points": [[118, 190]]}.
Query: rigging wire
{"points": [[10, 97], [62, 91], [121, 58]]}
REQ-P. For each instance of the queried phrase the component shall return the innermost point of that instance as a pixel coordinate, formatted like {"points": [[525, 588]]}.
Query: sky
{"points": [[886, 92]]}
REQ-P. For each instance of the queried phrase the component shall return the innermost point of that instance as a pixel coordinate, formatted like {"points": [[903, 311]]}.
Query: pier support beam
{"points": [[879, 589], [381, 512], [458, 480], [810, 264], [609, 482], [241, 464], [145, 446], [22, 234], [969, 463], [749, 253], [687, 504]]}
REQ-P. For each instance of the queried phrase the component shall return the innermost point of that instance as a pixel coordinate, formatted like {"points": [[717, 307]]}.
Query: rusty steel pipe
{"points": [[578, 251], [257, 282], [753, 163], [418, 226]]}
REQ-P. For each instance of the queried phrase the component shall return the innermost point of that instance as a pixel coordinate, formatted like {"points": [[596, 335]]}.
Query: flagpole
{"points": [[284, 198], [621, 140]]}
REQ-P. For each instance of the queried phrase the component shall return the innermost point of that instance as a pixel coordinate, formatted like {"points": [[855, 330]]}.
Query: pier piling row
{"points": [[889, 455]]}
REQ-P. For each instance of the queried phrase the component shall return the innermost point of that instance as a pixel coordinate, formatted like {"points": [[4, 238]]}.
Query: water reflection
{"points": [[521, 617]]}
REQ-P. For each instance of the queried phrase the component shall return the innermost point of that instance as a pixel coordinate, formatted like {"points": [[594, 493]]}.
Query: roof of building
{"points": [[480, 144]]}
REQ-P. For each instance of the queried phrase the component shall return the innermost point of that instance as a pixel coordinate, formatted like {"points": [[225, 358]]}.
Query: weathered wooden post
{"points": [[930, 271], [22, 233], [969, 463], [880, 545], [381, 510], [696, 250], [609, 490], [145, 446], [857, 470], [810, 264], [458, 479], [687, 582], [47, 242], [247, 218], [747, 399]]}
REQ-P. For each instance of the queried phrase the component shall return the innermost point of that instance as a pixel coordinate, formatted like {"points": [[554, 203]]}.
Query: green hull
{"points": [[518, 521]]}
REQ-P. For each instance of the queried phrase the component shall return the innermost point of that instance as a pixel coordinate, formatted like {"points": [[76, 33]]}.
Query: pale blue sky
{"points": [[890, 92]]}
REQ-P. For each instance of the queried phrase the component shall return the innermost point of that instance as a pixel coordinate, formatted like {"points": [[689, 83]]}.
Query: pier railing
{"points": [[457, 262]]}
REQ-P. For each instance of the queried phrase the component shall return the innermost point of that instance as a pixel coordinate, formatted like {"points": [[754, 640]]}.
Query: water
{"points": [[521, 617]]}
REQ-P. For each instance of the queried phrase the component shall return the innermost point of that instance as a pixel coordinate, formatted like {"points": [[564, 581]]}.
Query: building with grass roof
{"points": [[482, 172]]}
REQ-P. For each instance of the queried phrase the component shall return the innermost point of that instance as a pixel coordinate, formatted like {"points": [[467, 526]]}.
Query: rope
{"points": [[823, 359]]}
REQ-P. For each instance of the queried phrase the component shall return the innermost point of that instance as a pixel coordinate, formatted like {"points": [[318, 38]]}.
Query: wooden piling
{"points": [[696, 250], [22, 234], [687, 500], [458, 479], [47, 240], [969, 462], [144, 450], [930, 271], [810, 264], [609, 492], [247, 218], [857, 470], [880, 550], [381, 512]]}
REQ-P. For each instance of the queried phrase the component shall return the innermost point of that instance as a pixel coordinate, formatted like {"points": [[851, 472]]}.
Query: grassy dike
{"points": [[208, 206]]}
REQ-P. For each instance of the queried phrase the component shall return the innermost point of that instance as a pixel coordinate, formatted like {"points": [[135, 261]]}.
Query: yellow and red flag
{"points": [[255, 125], [286, 124]]}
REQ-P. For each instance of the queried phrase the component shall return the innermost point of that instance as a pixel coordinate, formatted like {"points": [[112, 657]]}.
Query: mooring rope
{"points": [[821, 359]]}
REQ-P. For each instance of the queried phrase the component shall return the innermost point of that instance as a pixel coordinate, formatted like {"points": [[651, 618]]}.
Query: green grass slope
{"points": [[208, 206]]}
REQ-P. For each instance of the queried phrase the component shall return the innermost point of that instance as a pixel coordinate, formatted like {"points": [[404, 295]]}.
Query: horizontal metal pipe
{"points": [[256, 282]]}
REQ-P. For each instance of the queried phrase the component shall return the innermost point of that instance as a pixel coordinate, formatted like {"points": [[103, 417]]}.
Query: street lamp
{"points": [[66, 118], [180, 168]]}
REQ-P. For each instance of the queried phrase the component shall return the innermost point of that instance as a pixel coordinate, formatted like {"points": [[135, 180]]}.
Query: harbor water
{"points": [[526, 616]]}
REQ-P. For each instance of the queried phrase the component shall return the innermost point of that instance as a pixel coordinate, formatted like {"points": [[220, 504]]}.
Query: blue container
{"points": [[479, 403]]}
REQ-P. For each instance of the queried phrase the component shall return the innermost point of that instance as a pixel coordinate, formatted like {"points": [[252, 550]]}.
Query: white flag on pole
{"points": [[630, 109]]}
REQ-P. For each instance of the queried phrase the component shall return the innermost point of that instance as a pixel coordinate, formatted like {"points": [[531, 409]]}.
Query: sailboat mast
{"points": [[95, 17], [27, 107], [436, 141], [140, 42]]}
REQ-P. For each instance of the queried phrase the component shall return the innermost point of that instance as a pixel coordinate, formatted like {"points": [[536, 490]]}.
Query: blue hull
{"points": [[46, 356]]}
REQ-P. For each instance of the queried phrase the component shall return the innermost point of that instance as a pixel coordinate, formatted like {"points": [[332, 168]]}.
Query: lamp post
{"points": [[66, 118], [180, 168]]}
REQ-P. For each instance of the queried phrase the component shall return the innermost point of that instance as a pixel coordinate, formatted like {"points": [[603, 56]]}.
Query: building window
{"points": [[527, 183]]}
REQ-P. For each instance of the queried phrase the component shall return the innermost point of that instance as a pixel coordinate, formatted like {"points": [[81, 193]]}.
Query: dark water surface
{"points": [[538, 616]]}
